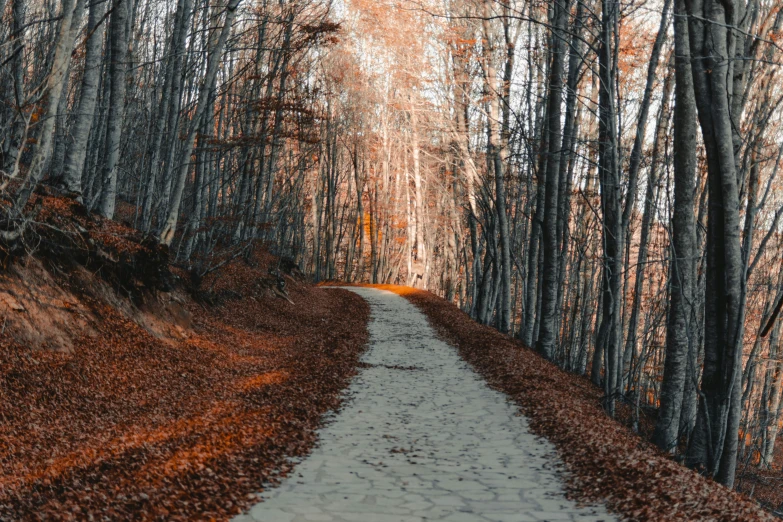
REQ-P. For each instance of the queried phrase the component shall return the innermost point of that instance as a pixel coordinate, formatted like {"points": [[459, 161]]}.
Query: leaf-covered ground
{"points": [[606, 461], [128, 426], [764, 485]]}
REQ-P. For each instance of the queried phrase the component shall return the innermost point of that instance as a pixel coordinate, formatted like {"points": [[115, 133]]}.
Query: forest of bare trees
{"points": [[596, 177]]}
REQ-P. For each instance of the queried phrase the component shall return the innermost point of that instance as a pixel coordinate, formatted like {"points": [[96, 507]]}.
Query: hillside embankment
{"points": [[129, 393]]}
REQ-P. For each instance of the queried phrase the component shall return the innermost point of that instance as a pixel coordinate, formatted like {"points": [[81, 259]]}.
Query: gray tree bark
{"points": [[117, 70], [213, 62], [15, 145], [85, 112], [647, 218], [713, 445], [683, 249], [610, 331], [55, 81], [495, 151], [168, 108], [545, 344]]}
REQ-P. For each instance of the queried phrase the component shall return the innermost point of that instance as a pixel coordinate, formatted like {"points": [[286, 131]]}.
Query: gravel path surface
{"points": [[422, 437]]}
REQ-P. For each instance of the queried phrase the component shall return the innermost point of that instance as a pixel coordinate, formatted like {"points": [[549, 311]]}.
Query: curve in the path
{"points": [[422, 437]]}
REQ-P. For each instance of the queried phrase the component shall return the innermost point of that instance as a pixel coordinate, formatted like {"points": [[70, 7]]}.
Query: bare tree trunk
{"points": [[638, 144], [117, 70], [85, 112], [271, 170], [208, 84], [713, 446], [772, 406], [545, 344], [683, 249], [610, 331], [359, 182], [419, 246], [567, 161], [169, 102], [495, 151], [14, 148], [53, 90], [647, 218]]}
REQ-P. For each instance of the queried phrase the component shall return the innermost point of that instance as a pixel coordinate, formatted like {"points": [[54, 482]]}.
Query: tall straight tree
{"points": [[495, 152], [635, 166], [53, 88], [683, 248], [713, 445], [610, 330], [651, 195], [208, 84], [118, 56], [547, 333], [85, 112], [12, 144], [168, 109]]}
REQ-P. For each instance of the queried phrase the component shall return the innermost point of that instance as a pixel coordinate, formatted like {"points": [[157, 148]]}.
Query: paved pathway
{"points": [[422, 438]]}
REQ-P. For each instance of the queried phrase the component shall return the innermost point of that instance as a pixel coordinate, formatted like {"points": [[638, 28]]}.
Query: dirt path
{"points": [[422, 438]]}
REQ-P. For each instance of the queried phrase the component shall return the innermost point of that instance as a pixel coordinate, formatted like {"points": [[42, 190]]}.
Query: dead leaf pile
{"points": [[128, 426]]}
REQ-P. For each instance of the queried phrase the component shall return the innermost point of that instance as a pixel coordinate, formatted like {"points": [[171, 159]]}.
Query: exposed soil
{"points": [[607, 461]]}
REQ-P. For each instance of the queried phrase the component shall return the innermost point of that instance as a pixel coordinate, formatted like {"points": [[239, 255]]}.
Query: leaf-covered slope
{"points": [[606, 461], [124, 424]]}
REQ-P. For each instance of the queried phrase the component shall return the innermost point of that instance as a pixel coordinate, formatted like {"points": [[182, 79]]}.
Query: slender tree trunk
{"points": [[16, 145], [545, 344], [55, 81], [419, 246], [117, 70], [85, 112], [496, 152], [567, 161], [169, 102], [213, 62], [683, 249], [610, 331], [647, 218]]}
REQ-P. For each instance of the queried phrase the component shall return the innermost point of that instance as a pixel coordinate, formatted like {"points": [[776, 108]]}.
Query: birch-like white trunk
{"points": [[55, 81], [117, 68], [85, 112], [213, 63]]}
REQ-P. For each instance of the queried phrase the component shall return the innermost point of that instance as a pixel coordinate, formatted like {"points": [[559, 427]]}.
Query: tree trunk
{"points": [[213, 62], [495, 151], [53, 89], [169, 103], [683, 249], [647, 218], [713, 446], [16, 145], [545, 344], [117, 71], [85, 112], [610, 331]]}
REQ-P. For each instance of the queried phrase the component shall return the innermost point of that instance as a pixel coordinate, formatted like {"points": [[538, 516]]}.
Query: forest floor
{"points": [[128, 394], [606, 460], [174, 409]]}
